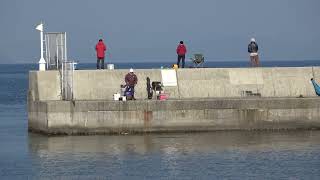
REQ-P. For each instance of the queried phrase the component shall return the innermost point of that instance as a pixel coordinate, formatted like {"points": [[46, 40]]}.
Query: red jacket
{"points": [[181, 49], [100, 48]]}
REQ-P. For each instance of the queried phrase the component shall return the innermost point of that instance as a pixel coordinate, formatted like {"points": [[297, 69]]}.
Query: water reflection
{"points": [[175, 143], [182, 156]]}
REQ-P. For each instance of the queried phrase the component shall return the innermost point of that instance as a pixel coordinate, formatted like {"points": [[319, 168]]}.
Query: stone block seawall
{"points": [[204, 99]]}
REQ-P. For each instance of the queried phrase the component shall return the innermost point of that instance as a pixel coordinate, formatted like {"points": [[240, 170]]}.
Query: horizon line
{"points": [[166, 61]]}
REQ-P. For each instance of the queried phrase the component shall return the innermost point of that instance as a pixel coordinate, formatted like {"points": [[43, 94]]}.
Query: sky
{"points": [[150, 30]]}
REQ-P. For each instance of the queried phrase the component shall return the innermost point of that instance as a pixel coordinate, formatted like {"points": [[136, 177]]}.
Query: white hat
{"points": [[253, 40], [131, 70]]}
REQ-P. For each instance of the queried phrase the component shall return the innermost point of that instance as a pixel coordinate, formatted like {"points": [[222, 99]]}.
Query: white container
{"points": [[124, 98], [123, 90], [116, 96], [110, 66]]}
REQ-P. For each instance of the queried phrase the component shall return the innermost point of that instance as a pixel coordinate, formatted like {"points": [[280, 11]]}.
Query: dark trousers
{"points": [[131, 89], [100, 63], [181, 57]]}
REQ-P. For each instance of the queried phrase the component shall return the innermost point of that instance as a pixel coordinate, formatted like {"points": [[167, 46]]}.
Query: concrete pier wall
{"points": [[99, 117], [192, 83], [204, 100]]}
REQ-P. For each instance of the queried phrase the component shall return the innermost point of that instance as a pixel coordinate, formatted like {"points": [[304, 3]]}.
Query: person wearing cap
{"points": [[100, 49], [131, 80], [253, 51], [181, 52]]}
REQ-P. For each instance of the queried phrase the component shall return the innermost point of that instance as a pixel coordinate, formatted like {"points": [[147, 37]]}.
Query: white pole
{"points": [[65, 46], [42, 62], [41, 43]]}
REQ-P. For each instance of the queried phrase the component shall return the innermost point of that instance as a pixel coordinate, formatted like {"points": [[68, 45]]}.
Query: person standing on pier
{"points": [[253, 51], [100, 49], [131, 80], [181, 52]]}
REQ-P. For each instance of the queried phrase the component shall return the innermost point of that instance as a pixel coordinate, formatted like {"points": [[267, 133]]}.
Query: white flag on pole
{"points": [[39, 27]]}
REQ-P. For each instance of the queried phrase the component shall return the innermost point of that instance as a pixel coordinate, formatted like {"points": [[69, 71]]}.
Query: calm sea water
{"points": [[217, 155]]}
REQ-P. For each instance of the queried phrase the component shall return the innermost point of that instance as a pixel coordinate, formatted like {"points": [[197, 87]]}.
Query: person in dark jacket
{"points": [[253, 51], [131, 80], [100, 49], [181, 52]]}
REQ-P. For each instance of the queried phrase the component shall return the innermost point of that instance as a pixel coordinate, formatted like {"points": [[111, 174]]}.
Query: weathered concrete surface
{"points": [[44, 85], [198, 83], [204, 99], [95, 117]]}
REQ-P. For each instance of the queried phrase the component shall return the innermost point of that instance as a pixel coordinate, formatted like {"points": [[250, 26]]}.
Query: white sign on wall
{"points": [[169, 77]]}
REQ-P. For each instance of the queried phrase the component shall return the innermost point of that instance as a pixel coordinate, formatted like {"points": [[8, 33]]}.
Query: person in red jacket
{"points": [[181, 51], [100, 49]]}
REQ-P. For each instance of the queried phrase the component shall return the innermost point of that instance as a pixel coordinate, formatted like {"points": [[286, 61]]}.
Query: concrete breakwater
{"points": [[203, 100]]}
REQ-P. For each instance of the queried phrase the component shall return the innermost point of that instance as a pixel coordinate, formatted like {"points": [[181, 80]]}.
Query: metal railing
{"points": [[55, 49]]}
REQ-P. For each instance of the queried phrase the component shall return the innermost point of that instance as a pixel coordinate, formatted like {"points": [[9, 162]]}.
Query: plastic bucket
{"points": [[110, 66]]}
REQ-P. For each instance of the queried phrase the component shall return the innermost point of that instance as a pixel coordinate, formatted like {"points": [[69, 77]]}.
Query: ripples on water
{"points": [[240, 155], [217, 155]]}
